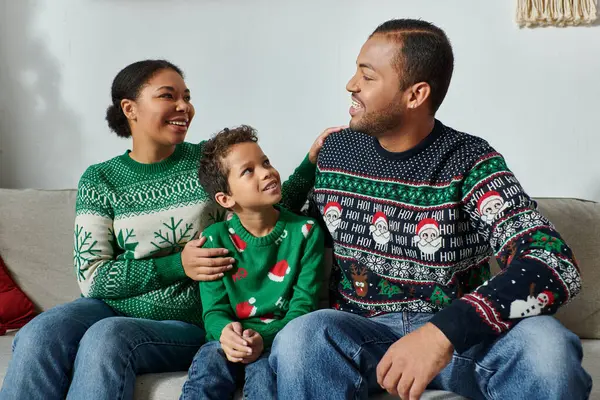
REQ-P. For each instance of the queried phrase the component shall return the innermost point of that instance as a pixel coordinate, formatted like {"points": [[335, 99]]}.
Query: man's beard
{"points": [[376, 123]]}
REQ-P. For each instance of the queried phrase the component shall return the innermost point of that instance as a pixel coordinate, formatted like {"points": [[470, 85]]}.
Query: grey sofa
{"points": [[36, 233]]}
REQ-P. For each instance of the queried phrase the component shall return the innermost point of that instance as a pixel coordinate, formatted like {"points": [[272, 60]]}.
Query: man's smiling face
{"points": [[377, 101]]}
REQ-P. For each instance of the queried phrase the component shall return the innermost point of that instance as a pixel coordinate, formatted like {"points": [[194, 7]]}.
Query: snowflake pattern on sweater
{"points": [[414, 231], [132, 222]]}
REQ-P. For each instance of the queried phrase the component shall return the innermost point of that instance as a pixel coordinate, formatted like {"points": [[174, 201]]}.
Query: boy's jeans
{"points": [[213, 377], [335, 354], [84, 350]]}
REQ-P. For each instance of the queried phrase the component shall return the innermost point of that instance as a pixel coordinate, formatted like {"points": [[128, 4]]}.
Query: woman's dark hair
{"points": [[127, 85]]}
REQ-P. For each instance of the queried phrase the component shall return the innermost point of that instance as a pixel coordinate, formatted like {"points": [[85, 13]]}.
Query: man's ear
{"points": [[419, 93], [129, 109], [224, 200]]}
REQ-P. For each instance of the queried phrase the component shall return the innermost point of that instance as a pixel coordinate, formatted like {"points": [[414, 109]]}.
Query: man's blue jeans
{"points": [[335, 354], [85, 350]]}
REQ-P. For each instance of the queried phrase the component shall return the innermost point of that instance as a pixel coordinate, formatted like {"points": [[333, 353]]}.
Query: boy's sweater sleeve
{"points": [[539, 272], [294, 191], [216, 309], [305, 297], [99, 274]]}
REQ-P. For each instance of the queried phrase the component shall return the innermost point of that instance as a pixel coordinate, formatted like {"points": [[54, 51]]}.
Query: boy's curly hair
{"points": [[213, 172]]}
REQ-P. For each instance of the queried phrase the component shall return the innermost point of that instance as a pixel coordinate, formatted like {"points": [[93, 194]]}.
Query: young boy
{"points": [[276, 276]]}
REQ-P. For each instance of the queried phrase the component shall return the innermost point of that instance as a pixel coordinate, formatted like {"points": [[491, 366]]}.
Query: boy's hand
{"points": [[233, 344], [202, 264], [255, 341], [313, 153]]}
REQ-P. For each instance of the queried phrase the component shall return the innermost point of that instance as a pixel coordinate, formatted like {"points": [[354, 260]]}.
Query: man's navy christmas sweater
{"points": [[414, 232]]}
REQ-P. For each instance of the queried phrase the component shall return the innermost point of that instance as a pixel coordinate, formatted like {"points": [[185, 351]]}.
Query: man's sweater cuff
{"points": [[462, 326]]}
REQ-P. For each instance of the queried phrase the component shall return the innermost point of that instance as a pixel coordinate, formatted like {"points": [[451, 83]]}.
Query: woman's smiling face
{"points": [[163, 110]]}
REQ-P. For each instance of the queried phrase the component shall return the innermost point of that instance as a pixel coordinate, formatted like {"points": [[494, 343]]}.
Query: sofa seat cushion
{"points": [[5, 352], [591, 363], [168, 386], [578, 223], [39, 255]]}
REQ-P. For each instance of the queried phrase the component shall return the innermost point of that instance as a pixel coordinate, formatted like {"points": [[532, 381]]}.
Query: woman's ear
{"points": [[129, 109], [224, 200]]}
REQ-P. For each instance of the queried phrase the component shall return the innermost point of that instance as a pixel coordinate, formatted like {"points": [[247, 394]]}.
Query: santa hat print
{"points": [[267, 318], [486, 198], [379, 216], [246, 309], [279, 271], [239, 244], [426, 224], [307, 227], [332, 205]]}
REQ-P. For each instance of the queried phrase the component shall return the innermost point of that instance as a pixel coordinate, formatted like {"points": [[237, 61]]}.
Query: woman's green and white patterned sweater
{"points": [[132, 222]]}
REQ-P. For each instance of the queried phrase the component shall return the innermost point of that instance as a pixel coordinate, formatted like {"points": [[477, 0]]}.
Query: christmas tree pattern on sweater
{"points": [[414, 232], [132, 222]]}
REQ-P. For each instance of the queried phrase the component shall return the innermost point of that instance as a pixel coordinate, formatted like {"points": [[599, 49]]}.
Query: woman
{"points": [[135, 251]]}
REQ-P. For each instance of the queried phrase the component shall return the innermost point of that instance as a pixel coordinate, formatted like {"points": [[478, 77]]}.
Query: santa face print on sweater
{"points": [[428, 237], [490, 205], [332, 214], [380, 229]]}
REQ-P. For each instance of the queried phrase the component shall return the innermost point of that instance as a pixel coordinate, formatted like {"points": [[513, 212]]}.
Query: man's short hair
{"points": [[425, 55]]}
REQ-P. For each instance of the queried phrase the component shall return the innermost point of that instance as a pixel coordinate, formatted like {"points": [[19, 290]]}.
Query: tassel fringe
{"points": [[555, 12]]}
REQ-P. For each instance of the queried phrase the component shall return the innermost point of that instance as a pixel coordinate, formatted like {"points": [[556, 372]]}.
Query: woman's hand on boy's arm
{"points": [[313, 153], [204, 264]]}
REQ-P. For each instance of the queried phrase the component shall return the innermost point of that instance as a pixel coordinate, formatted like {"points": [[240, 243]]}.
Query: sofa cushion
{"points": [[5, 353], [578, 222], [36, 242], [15, 307], [168, 386]]}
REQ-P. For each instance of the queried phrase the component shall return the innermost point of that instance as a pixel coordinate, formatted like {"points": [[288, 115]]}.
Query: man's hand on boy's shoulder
{"points": [[235, 347]]}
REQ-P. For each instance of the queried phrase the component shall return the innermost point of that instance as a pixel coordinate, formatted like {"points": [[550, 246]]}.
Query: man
{"points": [[417, 310]]}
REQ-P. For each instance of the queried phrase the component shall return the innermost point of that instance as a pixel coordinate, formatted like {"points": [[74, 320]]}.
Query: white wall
{"points": [[282, 66]]}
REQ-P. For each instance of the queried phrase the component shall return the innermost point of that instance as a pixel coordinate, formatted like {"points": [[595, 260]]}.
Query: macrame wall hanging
{"points": [[532, 13]]}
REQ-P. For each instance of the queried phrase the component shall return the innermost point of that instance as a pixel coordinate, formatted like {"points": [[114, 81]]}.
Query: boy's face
{"points": [[253, 182]]}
